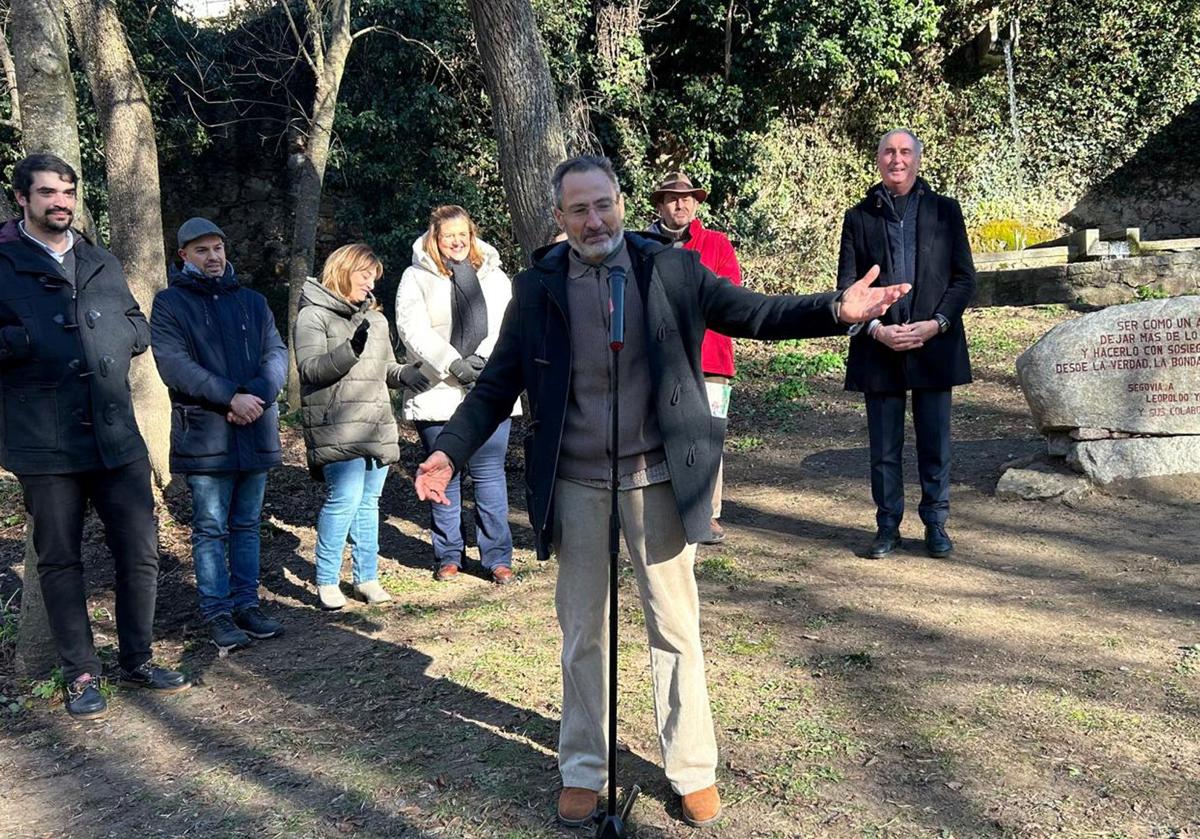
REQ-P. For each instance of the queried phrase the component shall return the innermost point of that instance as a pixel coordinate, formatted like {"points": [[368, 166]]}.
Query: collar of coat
{"points": [[27, 258], [227, 283], [876, 196], [315, 294], [553, 262], [554, 258]]}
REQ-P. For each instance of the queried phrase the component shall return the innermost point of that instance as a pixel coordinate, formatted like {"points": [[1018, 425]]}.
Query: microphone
{"points": [[616, 308]]}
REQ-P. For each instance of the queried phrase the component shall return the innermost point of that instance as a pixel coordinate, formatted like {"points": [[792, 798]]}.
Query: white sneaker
{"points": [[372, 592], [331, 597]]}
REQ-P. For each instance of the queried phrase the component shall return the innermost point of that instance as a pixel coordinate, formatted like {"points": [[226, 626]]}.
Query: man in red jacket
{"points": [[676, 201]]}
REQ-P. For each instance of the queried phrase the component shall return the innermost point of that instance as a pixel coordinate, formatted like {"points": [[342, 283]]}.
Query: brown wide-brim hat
{"points": [[677, 183]]}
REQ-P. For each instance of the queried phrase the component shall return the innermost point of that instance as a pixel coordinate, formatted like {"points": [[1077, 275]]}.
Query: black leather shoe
{"points": [[160, 679], [83, 698], [937, 543], [887, 539]]}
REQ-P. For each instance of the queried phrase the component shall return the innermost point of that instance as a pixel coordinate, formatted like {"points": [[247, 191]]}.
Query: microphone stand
{"points": [[612, 825]]}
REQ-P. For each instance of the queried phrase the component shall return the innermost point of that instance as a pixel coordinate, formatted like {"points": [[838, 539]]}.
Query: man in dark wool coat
{"points": [[918, 238], [554, 345], [68, 329]]}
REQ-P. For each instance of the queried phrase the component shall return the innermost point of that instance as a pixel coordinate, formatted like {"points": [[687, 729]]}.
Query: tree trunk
{"points": [[46, 90], [306, 165], [729, 39], [524, 114], [135, 203], [36, 654], [10, 73]]}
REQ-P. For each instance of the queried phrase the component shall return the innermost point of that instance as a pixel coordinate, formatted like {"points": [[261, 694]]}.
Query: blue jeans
{"points": [[491, 503], [226, 513], [351, 510]]}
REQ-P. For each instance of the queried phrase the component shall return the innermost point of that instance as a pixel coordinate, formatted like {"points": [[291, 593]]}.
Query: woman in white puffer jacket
{"points": [[449, 307]]}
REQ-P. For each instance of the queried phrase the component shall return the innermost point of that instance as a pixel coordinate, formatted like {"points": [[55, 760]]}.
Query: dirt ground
{"points": [[1042, 681]]}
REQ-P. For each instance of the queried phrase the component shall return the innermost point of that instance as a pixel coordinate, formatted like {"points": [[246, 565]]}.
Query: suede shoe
{"points": [[371, 592], [149, 675], [445, 572], [887, 539], [702, 807], [83, 698], [716, 534], [254, 623], [577, 806], [331, 597], [225, 633], [502, 575], [937, 542]]}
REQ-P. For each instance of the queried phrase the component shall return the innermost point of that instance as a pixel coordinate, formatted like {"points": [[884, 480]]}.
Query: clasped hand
{"points": [[906, 336], [244, 409]]}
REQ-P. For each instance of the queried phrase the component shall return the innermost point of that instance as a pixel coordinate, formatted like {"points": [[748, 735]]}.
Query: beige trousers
{"points": [[662, 562], [716, 496]]}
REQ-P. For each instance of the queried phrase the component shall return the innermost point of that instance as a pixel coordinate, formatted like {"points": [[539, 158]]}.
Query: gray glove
{"points": [[476, 361], [414, 379], [464, 371]]}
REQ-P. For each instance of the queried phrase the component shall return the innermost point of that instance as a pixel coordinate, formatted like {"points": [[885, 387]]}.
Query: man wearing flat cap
{"points": [[676, 200], [221, 357]]}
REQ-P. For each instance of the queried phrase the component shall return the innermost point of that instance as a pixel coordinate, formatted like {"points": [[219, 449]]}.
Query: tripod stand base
{"points": [[613, 826]]}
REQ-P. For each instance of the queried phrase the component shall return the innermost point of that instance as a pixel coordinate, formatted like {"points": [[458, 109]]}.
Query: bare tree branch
{"points": [[299, 39], [400, 36]]}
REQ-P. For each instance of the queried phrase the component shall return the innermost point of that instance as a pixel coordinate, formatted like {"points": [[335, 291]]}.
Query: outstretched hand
{"points": [[433, 476], [862, 302]]}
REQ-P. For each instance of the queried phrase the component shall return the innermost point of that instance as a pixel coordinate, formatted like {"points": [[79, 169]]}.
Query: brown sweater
{"points": [[587, 429]]}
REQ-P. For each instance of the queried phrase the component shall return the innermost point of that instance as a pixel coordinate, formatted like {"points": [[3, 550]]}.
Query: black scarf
{"points": [[468, 309]]}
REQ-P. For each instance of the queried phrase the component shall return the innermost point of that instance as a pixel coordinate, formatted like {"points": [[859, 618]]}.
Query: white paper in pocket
{"points": [[718, 399]]}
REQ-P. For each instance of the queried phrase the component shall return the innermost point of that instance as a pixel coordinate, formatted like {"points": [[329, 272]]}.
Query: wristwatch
{"points": [[943, 322]]}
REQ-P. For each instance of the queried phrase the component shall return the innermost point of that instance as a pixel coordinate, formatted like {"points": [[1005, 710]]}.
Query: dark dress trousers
{"points": [[943, 283]]}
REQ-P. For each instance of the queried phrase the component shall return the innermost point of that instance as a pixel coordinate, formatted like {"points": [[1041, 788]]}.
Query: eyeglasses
{"points": [[581, 211]]}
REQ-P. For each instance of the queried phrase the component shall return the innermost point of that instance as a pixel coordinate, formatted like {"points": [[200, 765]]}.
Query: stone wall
{"points": [[1091, 284], [1163, 208], [252, 209], [1157, 188], [246, 194]]}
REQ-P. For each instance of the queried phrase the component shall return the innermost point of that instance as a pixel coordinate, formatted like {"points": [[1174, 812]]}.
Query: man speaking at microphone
{"points": [[554, 344]]}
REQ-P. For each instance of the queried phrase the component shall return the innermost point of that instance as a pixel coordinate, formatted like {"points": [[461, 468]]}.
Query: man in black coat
{"points": [[68, 329], [221, 357], [554, 346], [919, 238]]}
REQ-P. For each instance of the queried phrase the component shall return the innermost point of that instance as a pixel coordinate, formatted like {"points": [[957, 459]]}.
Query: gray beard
{"points": [[601, 252]]}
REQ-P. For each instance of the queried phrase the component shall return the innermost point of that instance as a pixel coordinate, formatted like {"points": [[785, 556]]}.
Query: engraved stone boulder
{"points": [[1117, 392], [1133, 369]]}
